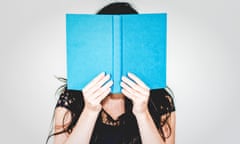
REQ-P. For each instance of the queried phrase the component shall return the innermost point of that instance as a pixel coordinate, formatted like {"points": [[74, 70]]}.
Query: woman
{"points": [[94, 115]]}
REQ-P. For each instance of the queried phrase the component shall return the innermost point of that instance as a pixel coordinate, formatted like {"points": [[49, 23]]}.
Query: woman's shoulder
{"points": [[69, 99]]}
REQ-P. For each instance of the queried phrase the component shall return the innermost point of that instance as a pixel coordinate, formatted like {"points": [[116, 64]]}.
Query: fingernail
{"points": [[111, 82], [108, 76], [130, 74], [102, 73], [121, 83]]}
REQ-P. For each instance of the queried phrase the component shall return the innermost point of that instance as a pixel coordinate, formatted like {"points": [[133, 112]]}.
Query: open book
{"points": [[116, 44]]}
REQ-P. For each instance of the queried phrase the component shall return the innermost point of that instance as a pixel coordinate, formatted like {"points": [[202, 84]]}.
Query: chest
{"points": [[114, 108]]}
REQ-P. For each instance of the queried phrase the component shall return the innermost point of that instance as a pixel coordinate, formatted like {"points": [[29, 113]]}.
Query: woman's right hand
{"points": [[96, 90]]}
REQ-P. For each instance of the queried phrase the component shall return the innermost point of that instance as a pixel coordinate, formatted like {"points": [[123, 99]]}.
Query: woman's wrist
{"points": [[91, 110], [92, 107], [142, 115]]}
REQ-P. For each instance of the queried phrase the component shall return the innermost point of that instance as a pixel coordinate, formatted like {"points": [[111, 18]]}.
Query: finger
{"points": [[101, 90], [108, 84], [103, 80], [93, 96], [92, 83], [128, 90], [128, 95], [132, 84], [103, 95], [134, 92], [125, 86], [99, 84], [144, 89], [128, 81], [138, 81]]}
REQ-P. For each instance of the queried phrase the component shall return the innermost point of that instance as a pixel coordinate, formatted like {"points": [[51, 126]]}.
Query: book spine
{"points": [[117, 53]]}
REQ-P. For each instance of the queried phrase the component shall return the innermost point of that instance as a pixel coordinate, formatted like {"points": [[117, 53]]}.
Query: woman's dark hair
{"points": [[118, 8], [167, 105]]}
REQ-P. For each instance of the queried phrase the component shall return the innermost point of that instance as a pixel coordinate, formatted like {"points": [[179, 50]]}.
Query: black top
{"points": [[124, 130]]}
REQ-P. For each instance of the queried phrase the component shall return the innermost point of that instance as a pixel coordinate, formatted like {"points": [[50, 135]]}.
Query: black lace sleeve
{"points": [[161, 101], [71, 100]]}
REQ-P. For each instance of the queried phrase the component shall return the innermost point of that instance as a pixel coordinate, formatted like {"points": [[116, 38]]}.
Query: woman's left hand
{"points": [[137, 91]]}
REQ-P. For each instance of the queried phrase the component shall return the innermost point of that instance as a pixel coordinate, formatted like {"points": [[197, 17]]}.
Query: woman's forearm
{"points": [[148, 131], [94, 92], [83, 130]]}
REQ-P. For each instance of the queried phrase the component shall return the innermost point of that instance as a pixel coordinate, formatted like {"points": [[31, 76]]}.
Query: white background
{"points": [[202, 65]]}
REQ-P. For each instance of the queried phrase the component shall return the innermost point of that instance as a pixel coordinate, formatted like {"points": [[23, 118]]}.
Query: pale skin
{"points": [[97, 96]]}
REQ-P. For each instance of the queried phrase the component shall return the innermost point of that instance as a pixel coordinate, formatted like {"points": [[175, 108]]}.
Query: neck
{"points": [[116, 96], [114, 105]]}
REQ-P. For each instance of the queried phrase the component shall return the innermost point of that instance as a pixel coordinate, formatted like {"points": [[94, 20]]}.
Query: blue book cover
{"points": [[116, 44]]}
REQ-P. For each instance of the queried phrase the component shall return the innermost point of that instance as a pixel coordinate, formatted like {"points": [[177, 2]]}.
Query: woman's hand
{"points": [[137, 91], [95, 91]]}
